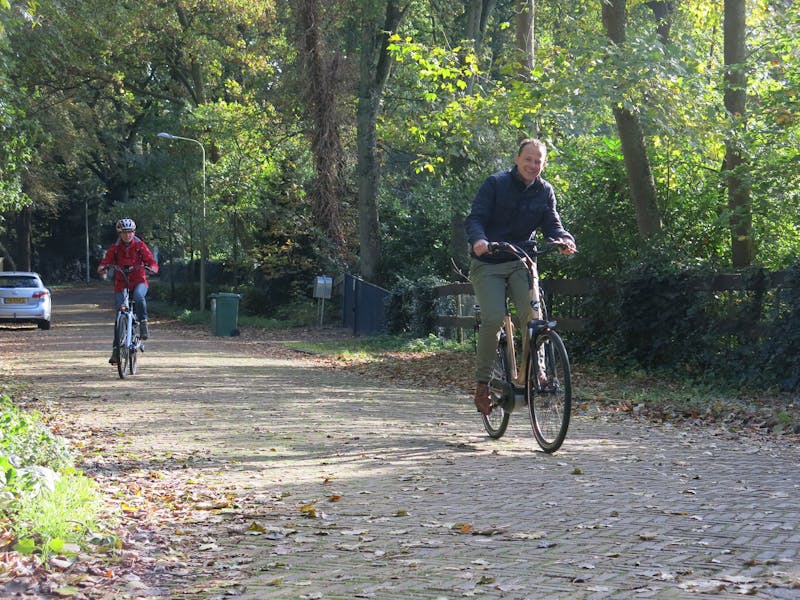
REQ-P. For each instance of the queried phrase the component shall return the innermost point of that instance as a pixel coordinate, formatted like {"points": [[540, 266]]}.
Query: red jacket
{"points": [[135, 254]]}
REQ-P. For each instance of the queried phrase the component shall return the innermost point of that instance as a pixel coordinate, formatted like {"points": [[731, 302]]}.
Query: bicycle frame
{"points": [[128, 347], [533, 327], [544, 385]]}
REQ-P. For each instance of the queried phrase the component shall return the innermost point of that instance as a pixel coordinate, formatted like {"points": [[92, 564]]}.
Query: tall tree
{"points": [[477, 19], [322, 67], [525, 34], [379, 18], [631, 135], [663, 11], [739, 205]]}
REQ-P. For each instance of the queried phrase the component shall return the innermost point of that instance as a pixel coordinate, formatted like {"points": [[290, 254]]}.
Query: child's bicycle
{"points": [[127, 344], [544, 384]]}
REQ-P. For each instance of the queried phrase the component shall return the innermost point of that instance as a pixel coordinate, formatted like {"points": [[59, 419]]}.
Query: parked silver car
{"points": [[24, 299]]}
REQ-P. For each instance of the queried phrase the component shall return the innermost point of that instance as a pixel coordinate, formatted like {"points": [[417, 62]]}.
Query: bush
{"points": [[778, 359], [47, 503], [25, 440], [664, 316], [412, 307]]}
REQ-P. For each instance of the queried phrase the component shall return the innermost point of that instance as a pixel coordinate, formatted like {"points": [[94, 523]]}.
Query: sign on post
{"points": [[323, 288]]}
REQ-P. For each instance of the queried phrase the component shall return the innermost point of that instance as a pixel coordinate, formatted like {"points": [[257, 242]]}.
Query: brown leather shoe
{"points": [[482, 400]]}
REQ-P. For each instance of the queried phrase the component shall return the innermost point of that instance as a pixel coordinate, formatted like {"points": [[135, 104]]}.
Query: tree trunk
{"points": [[24, 228], [375, 65], [739, 204], [525, 35], [6, 260], [634, 150], [479, 12], [663, 11], [322, 68]]}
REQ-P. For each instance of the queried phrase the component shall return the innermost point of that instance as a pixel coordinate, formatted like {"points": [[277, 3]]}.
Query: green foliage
{"points": [[14, 140], [26, 441], [433, 343], [258, 307], [412, 307], [778, 358], [663, 316], [659, 315], [594, 206], [230, 75], [47, 502], [59, 515], [418, 230], [382, 343], [193, 317]]}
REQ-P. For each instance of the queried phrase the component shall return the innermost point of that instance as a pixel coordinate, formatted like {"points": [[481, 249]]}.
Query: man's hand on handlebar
{"points": [[480, 247], [565, 246]]}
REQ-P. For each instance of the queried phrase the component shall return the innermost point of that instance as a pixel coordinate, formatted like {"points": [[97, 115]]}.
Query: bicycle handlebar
{"points": [[529, 251], [130, 269]]}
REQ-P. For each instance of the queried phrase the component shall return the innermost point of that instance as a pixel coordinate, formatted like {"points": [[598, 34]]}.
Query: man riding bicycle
{"points": [[510, 206], [128, 252]]}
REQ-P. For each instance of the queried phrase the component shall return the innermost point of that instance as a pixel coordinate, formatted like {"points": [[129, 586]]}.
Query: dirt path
{"points": [[242, 470]]}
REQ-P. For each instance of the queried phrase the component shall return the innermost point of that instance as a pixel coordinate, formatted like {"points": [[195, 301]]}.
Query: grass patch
{"points": [[44, 502], [56, 518], [25, 440], [663, 397], [370, 347], [266, 323], [197, 317]]}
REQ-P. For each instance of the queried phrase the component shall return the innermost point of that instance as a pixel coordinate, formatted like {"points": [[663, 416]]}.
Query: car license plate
{"points": [[15, 300]]}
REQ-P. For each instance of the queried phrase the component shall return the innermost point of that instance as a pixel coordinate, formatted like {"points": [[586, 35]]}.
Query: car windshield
{"points": [[18, 282]]}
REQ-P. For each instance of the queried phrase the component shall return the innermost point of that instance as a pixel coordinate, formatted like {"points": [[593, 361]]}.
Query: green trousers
{"points": [[492, 283]]}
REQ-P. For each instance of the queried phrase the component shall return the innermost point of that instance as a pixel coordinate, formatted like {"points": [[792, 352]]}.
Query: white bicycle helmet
{"points": [[125, 225]]}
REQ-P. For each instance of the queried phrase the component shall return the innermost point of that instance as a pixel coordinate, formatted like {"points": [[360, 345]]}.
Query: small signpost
{"points": [[323, 287]]}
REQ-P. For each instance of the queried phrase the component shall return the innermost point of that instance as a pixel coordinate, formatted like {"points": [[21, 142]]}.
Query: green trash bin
{"points": [[225, 314]]}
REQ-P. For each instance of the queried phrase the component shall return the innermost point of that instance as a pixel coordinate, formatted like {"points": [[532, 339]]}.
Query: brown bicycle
{"points": [[541, 380]]}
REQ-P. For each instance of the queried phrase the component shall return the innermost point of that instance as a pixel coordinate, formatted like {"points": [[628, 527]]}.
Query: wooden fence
{"points": [[553, 288]]}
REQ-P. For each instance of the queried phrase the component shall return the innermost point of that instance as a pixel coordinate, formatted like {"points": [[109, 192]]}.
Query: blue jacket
{"points": [[504, 210]]}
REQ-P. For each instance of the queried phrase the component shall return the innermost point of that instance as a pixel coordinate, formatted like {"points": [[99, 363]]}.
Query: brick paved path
{"points": [[345, 488]]}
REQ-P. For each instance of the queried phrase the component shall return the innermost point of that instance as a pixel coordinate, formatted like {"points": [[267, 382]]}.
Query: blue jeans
{"points": [[139, 293]]}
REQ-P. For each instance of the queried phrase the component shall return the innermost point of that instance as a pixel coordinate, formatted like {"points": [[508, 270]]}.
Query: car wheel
{"points": [[43, 324]]}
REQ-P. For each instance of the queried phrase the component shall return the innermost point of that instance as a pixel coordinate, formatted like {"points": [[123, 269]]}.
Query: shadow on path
{"points": [[314, 484]]}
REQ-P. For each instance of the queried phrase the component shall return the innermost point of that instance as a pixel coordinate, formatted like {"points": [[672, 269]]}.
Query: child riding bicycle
{"points": [[127, 253]]}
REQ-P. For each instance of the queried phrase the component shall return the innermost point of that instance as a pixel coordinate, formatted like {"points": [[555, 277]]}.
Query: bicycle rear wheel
{"points": [[496, 422], [122, 341], [549, 391]]}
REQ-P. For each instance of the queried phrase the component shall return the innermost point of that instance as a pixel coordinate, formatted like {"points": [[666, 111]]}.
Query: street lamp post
{"points": [[203, 251]]}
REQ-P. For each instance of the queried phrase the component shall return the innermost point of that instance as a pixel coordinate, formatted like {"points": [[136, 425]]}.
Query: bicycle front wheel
{"points": [[133, 352], [496, 422], [549, 390], [122, 340]]}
